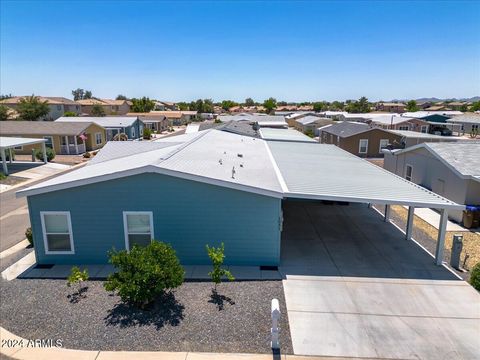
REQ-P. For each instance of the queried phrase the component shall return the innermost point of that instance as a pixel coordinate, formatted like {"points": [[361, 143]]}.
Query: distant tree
{"points": [[270, 104], [412, 106], [360, 106], [121, 97], [31, 108], [5, 96], [282, 103], [475, 106], [227, 104], [98, 110], [183, 106], [4, 115], [464, 108], [249, 102], [336, 105], [208, 106], [142, 105], [319, 106], [80, 94]]}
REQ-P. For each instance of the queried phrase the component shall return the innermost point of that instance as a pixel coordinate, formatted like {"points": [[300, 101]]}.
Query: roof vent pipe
{"points": [[233, 172]]}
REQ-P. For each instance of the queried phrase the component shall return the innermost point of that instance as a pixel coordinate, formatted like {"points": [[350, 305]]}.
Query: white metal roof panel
{"points": [[320, 171], [9, 142], [104, 121], [284, 135]]}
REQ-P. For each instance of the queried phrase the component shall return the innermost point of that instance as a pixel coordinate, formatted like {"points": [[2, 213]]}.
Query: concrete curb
{"points": [[14, 249], [16, 347]]}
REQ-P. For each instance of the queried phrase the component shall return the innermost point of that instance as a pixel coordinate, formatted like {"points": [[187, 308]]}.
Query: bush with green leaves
{"points": [[475, 277], [50, 154], [29, 235], [87, 155], [70, 114], [217, 256], [77, 276], [144, 273], [147, 134]]}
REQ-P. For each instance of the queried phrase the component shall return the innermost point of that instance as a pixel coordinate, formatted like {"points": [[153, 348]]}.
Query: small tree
{"points": [[121, 97], [475, 277], [147, 134], [50, 154], [70, 114], [144, 273], [31, 108], [270, 104], [411, 106], [4, 113], [142, 105], [217, 256], [77, 277], [29, 235], [98, 110]]}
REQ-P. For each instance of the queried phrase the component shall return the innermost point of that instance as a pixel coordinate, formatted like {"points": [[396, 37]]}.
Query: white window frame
{"points": [[360, 146], [18, 147], [404, 127], [44, 231], [380, 148], [406, 171], [96, 139], [125, 225], [133, 132], [424, 127]]}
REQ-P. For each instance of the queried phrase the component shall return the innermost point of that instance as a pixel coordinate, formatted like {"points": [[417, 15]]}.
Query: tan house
{"points": [[359, 139], [110, 107], [58, 106], [391, 107], [176, 117], [311, 123], [66, 138]]}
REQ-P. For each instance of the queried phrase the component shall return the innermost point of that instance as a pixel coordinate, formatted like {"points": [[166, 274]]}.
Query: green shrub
{"points": [[70, 114], [475, 277], [50, 154], [77, 276], [144, 273], [147, 134], [29, 235], [87, 155], [309, 133], [217, 256], [2, 176]]}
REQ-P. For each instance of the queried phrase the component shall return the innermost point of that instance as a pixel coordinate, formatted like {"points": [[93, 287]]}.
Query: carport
{"points": [[327, 173], [9, 143]]}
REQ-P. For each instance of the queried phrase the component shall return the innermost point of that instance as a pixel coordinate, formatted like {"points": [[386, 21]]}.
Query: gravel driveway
{"points": [[238, 320]]}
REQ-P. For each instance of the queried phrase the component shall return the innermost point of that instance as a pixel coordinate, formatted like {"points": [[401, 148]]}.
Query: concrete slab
{"points": [[105, 271], [433, 218], [246, 272], [200, 272], [19, 268], [188, 271], [363, 291], [58, 272], [141, 355], [270, 275], [30, 353]]}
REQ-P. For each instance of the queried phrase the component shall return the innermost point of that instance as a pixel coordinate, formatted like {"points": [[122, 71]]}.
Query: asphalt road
{"points": [[14, 218]]}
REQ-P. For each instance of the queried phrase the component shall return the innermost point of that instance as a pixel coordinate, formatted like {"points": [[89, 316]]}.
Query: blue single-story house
{"points": [[132, 126], [195, 189]]}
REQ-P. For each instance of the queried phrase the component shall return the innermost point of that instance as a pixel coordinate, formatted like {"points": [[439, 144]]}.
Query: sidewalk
{"points": [[15, 350]]}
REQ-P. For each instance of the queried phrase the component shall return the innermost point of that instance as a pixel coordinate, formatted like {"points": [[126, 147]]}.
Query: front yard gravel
{"points": [[238, 320]]}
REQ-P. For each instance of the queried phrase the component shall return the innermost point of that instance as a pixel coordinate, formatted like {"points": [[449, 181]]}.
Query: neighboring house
{"points": [[396, 122], [412, 138], [451, 170], [311, 124], [110, 107], [457, 105], [359, 139], [467, 123], [263, 120], [58, 106], [335, 115], [391, 107], [292, 117], [131, 126], [177, 118], [165, 106], [196, 189], [66, 138], [153, 121]]}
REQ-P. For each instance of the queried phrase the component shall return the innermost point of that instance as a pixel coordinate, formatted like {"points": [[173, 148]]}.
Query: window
{"points": [[133, 133], [138, 227], [18, 148], [408, 172], [57, 232], [474, 127], [49, 142], [383, 144], [403, 127], [424, 128], [98, 138], [363, 146]]}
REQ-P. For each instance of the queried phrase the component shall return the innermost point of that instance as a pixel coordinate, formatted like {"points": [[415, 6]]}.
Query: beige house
{"points": [[176, 117], [152, 120], [110, 107], [391, 107], [66, 138], [58, 106]]}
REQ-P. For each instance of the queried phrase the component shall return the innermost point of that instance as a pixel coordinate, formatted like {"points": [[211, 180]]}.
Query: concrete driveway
{"points": [[355, 287]]}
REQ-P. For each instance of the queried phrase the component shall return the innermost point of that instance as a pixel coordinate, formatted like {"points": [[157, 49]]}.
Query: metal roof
{"points": [[9, 142], [16, 127], [105, 121], [347, 128], [271, 168], [284, 135], [470, 118], [261, 119], [420, 135], [310, 119], [326, 172], [461, 157]]}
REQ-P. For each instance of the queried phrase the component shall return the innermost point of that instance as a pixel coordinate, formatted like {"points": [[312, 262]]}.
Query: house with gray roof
{"points": [[263, 120], [202, 188], [311, 124], [66, 137], [469, 123], [451, 170]]}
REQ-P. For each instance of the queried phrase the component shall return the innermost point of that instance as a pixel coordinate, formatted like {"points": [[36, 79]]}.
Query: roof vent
{"points": [[233, 172], [240, 155], [220, 162]]}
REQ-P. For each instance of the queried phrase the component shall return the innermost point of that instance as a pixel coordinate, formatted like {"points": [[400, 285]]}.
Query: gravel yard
{"points": [[191, 319], [426, 235]]}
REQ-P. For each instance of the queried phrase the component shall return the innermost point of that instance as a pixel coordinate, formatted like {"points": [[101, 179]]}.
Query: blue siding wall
{"points": [[187, 214]]}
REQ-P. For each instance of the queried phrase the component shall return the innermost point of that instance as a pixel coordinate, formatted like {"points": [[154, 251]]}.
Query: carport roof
{"points": [[9, 142], [326, 172]]}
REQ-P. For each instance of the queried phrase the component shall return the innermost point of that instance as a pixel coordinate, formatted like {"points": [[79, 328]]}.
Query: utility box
{"points": [[457, 247]]}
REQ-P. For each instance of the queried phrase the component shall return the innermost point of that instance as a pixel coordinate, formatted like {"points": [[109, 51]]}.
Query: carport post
{"points": [[4, 161], [442, 227], [10, 155], [408, 232], [44, 148], [387, 213]]}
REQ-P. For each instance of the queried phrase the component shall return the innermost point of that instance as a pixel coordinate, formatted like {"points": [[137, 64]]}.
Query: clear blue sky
{"points": [[232, 50]]}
